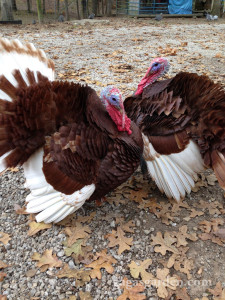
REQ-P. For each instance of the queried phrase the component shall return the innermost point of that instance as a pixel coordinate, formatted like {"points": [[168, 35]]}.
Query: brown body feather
{"points": [[81, 142], [171, 112]]}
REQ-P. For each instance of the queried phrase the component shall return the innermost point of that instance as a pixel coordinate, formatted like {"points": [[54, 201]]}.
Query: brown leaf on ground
{"points": [[211, 225], [101, 260], [3, 297], [176, 206], [82, 276], [2, 276], [36, 227], [20, 210], [163, 281], [166, 243], [72, 221], [211, 229], [180, 262], [180, 294], [210, 236], [164, 213], [47, 260], [86, 219], [132, 293], [184, 265], [116, 200], [117, 237], [126, 226], [79, 250], [4, 238], [77, 232], [194, 213], [3, 265], [85, 295], [31, 272], [182, 235], [139, 270], [220, 233], [217, 291], [213, 207], [153, 205], [138, 195]]}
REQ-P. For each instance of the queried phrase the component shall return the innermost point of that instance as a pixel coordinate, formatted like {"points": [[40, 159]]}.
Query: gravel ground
{"points": [[119, 53]]}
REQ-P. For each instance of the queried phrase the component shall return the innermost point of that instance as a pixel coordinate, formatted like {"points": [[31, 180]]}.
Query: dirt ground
{"points": [[191, 248]]}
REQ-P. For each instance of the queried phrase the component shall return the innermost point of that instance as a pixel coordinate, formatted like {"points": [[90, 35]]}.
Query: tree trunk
{"points": [[56, 9], [6, 10], [29, 6], [67, 10], [14, 7], [109, 8], [40, 12], [43, 5], [95, 7], [84, 9], [78, 12]]}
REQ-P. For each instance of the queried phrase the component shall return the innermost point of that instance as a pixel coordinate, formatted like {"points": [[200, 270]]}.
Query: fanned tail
{"points": [[51, 205], [175, 174]]}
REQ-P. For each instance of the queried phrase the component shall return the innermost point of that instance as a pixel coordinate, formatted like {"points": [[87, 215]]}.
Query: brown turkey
{"points": [[182, 120], [71, 146]]}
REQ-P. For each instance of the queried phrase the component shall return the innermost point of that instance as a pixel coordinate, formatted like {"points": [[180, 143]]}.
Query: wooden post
{"points": [[216, 8], [40, 12], [6, 10]]}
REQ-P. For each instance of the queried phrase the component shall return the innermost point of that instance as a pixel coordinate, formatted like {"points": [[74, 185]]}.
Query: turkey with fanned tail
{"points": [[71, 146], [182, 120]]}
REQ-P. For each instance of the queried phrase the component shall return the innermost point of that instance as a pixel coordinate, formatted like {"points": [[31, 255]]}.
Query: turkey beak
{"points": [[122, 111]]}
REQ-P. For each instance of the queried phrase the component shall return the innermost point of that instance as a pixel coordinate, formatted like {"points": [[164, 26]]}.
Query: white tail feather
{"points": [[16, 56], [174, 174], [51, 205]]}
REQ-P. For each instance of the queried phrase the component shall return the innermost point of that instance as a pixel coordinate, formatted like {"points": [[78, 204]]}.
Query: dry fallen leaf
{"points": [[166, 243], [77, 232], [36, 227], [3, 265], [2, 276], [101, 260], [182, 235], [217, 291], [126, 226], [31, 272], [164, 281], [79, 250], [85, 295], [4, 238], [132, 293], [139, 270], [118, 238], [180, 294], [20, 210], [47, 260], [82, 276]]}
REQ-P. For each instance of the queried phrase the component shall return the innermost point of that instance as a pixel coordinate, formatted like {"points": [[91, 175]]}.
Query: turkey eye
{"points": [[114, 99], [156, 64]]}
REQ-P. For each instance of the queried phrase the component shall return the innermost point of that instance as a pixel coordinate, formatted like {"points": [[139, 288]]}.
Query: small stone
{"points": [[71, 264], [147, 231], [113, 224], [60, 253], [138, 223]]}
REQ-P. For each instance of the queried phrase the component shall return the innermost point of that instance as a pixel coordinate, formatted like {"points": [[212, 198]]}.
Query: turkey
{"points": [[183, 127], [71, 146]]}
